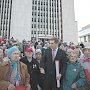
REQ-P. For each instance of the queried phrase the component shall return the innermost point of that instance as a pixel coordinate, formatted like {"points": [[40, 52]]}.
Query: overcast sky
{"points": [[82, 12]]}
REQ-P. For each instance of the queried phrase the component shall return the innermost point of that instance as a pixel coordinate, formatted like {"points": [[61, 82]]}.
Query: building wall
{"points": [[57, 20], [5, 17], [21, 19], [84, 35], [68, 19], [45, 18]]}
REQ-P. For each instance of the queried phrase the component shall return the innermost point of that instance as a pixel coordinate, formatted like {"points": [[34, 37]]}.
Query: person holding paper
{"points": [[48, 66]]}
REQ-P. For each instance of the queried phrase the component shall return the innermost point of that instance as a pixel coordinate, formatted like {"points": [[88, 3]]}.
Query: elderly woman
{"points": [[74, 77], [14, 73]]}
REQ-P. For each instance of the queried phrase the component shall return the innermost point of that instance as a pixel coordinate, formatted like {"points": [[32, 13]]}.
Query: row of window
{"points": [[39, 26], [44, 14], [43, 26], [43, 32], [50, 10], [42, 3], [43, 20], [44, 8], [39, 14], [39, 32]]}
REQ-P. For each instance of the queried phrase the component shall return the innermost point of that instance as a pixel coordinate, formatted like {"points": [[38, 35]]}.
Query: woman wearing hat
{"points": [[13, 73]]}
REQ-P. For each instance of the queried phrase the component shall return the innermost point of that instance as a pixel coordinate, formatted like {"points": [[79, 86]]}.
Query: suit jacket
{"points": [[49, 65], [4, 69]]}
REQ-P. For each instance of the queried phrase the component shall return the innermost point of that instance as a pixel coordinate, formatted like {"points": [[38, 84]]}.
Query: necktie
{"points": [[53, 54]]}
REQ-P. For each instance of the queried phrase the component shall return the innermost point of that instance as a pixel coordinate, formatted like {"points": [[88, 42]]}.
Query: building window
{"points": [[88, 38], [32, 7], [47, 32], [38, 26], [35, 7], [38, 32], [38, 14], [85, 39], [41, 32], [41, 20], [35, 13], [44, 8], [34, 32], [34, 25], [41, 8], [35, 2], [41, 14], [44, 26], [41, 26], [44, 32], [38, 19], [44, 3], [38, 8], [38, 2], [41, 3], [34, 19]]}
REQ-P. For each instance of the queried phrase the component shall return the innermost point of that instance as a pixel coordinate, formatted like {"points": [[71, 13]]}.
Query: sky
{"points": [[82, 12]]}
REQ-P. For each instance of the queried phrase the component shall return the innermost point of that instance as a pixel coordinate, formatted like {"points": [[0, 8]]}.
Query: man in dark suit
{"points": [[48, 67]]}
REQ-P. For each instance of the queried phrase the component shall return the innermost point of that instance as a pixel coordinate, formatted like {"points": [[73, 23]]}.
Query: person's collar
{"points": [[29, 59], [55, 49]]}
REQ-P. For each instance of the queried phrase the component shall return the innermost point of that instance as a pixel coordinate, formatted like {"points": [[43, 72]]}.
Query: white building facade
{"points": [[21, 19], [42, 19], [84, 35], [45, 18], [70, 30]]}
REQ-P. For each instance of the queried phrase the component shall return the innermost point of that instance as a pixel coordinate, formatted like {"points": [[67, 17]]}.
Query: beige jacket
{"points": [[4, 68]]}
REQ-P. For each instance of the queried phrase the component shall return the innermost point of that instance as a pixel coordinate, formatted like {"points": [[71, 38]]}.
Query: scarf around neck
{"points": [[15, 75]]}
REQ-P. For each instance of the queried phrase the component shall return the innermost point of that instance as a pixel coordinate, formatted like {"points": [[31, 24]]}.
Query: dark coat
{"points": [[49, 65], [33, 69]]}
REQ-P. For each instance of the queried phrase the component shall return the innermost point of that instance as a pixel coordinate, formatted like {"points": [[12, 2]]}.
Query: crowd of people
{"points": [[48, 65]]}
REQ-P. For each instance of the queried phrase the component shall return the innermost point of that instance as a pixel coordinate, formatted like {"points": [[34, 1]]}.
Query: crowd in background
{"points": [[78, 60]]}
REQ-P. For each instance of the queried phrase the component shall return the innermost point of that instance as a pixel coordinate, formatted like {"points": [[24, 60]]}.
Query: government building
{"points": [[84, 35], [38, 19]]}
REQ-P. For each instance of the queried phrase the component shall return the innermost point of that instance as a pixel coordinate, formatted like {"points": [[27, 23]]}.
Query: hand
{"points": [[28, 87], [74, 86], [42, 70], [11, 87], [58, 77]]}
